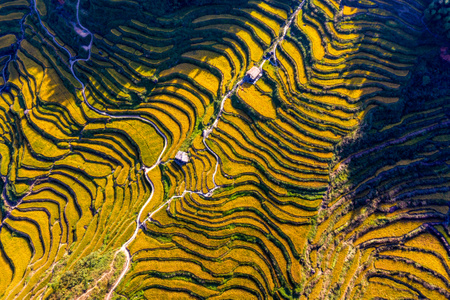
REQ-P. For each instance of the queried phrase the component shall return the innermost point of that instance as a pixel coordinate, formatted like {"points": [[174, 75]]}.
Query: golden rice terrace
{"points": [[212, 149]]}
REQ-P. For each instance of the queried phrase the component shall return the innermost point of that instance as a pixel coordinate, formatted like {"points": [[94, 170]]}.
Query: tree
{"points": [[437, 16]]}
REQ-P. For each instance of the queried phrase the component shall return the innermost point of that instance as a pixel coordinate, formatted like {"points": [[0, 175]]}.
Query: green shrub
{"points": [[69, 284], [437, 16]]}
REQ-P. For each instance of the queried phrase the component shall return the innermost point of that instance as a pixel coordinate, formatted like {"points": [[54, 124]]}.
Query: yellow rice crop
{"points": [[176, 106], [244, 148], [384, 288], [352, 10], [297, 57], [32, 231], [309, 128], [215, 60], [331, 100], [186, 94], [40, 144], [273, 10], [255, 99], [357, 93], [7, 274], [339, 256], [314, 36], [301, 137], [188, 86], [208, 114], [234, 58], [12, 16], [259, 32], [51, 207], [255, 49], [272, 24], [396, 229], [237, 48], [182, 118], [201, 76], [324, 8], [147, 139], [93, 169], [273, 144], [341, 35], [396, 266], [18, 251], [263, 86], [288, 77], [425, 259]]}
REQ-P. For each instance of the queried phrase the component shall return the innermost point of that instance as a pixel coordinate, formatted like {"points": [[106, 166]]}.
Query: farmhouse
{"points": [[253, 74], [181, 158]]}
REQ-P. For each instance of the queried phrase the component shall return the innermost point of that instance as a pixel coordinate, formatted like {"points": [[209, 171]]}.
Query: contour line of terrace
{"points": [[206, 132], [72, 61]]}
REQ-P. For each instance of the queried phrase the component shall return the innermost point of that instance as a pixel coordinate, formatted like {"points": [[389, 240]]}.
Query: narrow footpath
{"points": [[272, 48], [147, 169]]}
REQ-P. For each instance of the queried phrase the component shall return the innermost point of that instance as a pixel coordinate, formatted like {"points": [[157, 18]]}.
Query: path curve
{"points": [[74, 60], [208, 131]]}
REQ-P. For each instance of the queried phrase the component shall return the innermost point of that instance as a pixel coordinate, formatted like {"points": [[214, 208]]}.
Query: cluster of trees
{"points": [[62, 19], [429, 81], [170, 6], [437, 16]]}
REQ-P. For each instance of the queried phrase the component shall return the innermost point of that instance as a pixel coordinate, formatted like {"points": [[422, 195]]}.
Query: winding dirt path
{"points": [[273, 48], [147, 169]]}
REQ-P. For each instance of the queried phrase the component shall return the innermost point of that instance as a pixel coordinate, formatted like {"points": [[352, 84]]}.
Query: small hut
{"points": [[181, 158], [253, 74]]}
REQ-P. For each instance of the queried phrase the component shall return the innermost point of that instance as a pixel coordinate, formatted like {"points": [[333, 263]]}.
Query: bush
{"points": [[72, 283], [437, 16]]}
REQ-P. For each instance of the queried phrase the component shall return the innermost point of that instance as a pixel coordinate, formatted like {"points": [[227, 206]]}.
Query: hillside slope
{"points": [[326, 179]]}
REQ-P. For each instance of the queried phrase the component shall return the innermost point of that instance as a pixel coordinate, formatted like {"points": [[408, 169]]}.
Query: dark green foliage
{"points": [[437, 16], [165, 180], [62, 20], [197, 131], [419, 108], [170, 6]]}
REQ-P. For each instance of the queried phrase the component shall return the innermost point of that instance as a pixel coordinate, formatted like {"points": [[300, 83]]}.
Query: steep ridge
{"points": [[66, 169], [251, 237], [389, 209], [286, 194]]}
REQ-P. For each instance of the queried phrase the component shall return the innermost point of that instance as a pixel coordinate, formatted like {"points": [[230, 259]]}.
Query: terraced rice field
{"points": [[327, 178]]}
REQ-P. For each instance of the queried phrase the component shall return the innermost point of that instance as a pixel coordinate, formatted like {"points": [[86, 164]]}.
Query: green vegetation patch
{"points": [[94, 273]]}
